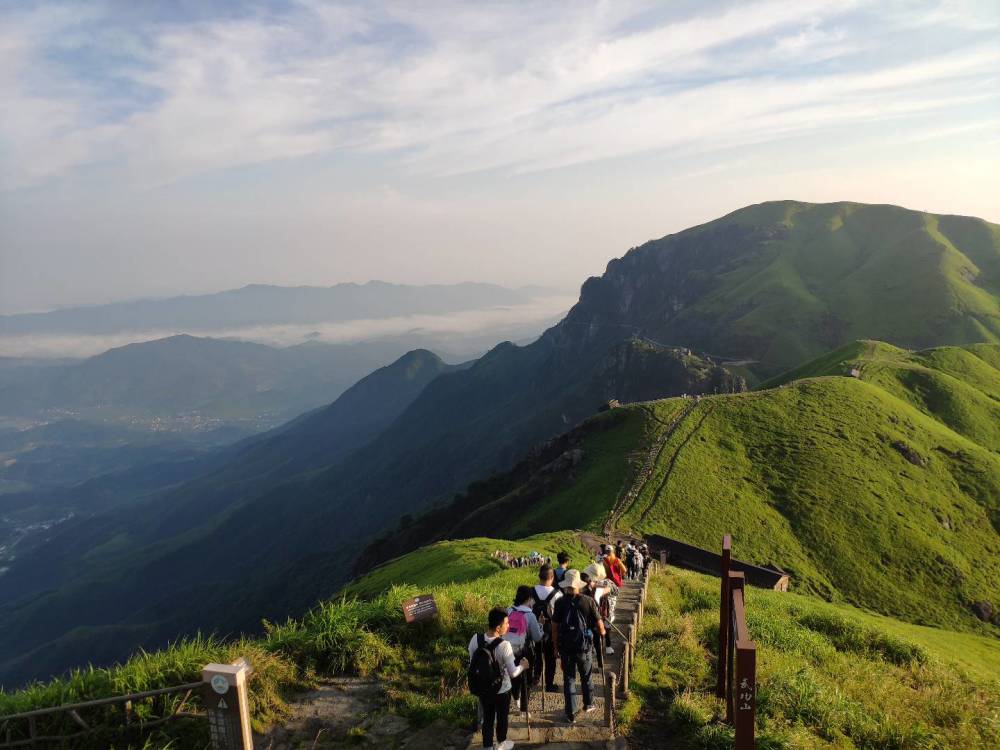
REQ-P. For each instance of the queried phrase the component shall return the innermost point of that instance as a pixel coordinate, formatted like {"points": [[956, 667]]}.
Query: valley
{"points": [[867, 469]]}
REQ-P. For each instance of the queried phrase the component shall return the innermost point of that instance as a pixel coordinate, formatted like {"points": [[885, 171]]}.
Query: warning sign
{"points": [[420, 608]]}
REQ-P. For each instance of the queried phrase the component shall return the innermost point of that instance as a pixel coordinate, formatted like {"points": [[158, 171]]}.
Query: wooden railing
{"points": [[22, 729], [225, 706], [737, 663], [619, 685]]}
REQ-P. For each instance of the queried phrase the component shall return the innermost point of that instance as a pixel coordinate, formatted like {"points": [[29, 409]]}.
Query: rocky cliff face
{"points": [[647, 292], [783, 282]]}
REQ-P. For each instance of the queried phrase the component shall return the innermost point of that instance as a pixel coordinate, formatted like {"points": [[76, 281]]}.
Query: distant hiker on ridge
{"points": [[563, 559], [491, 668]]}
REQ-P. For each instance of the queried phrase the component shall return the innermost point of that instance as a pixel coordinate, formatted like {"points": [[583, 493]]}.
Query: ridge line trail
{"points": [[630, 493], [673, 461]]}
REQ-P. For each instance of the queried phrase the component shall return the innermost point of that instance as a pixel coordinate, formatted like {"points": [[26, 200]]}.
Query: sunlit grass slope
{"points": [[872, 491], [828, 676], [859, 495], [960, 386]]}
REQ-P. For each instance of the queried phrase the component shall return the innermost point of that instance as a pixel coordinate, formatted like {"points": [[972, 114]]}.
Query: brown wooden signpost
{"points": [[227, 704], [420, 608], [737, 664]]}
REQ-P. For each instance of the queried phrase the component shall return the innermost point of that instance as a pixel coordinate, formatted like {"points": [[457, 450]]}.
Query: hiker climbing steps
{"points": [[545, 720]]}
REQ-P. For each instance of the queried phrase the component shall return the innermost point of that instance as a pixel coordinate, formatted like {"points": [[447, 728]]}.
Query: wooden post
{"points": [[736, 582], [609, 701], [226, 700], [725, 618], [625, 669], [746, 694], [32, 730]]}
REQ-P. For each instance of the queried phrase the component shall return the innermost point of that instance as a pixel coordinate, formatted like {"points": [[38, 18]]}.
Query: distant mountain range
{"points": [[262, 304], [703, 311], [191, 384]]}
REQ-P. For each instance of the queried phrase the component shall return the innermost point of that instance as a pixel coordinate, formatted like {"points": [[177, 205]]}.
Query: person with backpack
{"points": [[491, 668], [605, 594], [546, 595], [523, 634], [574, 623]]}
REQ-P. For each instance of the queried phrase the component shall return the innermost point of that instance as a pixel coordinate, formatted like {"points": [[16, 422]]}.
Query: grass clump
{"points": [[275, 675]]}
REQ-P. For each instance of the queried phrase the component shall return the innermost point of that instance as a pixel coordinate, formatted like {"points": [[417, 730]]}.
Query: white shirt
{"points": [[542, 591], [504, 654]]}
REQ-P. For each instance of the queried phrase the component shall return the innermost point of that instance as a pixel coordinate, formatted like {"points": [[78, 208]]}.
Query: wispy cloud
{"points": [[454, 88]]}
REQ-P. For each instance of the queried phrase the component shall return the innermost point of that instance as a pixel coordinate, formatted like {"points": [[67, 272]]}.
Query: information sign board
{"points": [[420, 608]]}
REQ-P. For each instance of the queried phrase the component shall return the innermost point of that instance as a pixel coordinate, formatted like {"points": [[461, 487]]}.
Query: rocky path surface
{"points": [[347, 712]]}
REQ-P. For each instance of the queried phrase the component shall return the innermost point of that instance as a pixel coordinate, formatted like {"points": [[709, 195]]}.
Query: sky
{"points": [[151, 149]]}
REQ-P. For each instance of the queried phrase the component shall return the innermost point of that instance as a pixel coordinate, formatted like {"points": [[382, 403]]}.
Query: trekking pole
{"points": [[527, 701], [542, 661]]}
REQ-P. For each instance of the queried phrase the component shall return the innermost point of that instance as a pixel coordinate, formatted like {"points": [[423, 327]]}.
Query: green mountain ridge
{"points": [[864, 489], [770, 286], [782, 282]]}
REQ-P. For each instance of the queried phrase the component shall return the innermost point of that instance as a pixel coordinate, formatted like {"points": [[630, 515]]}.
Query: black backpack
{"points": [[541, 610], [485, 675], [574, 635]]}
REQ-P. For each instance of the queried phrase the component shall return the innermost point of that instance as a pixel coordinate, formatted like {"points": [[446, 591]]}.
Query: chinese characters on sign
{"points": [[420, 608], [223, 720], [745, 695]]}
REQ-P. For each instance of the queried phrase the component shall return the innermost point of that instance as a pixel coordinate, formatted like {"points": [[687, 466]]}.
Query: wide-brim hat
{"points": [[571, 580], [595, 572]]}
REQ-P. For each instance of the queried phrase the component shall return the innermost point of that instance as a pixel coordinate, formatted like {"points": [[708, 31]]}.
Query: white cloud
{"points": [[466, 87]]}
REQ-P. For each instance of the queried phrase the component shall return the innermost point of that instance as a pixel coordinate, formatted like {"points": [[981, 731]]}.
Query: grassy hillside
{"points": [[866, 490], [828, 675], [859, 495], [831, 676], [959, 386], [362, 631]]}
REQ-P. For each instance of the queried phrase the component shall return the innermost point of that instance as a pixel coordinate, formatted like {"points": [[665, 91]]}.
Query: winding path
{"points": [[630, 493]]}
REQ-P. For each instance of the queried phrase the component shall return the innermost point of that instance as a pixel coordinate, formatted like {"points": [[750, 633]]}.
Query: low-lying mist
{"points": [[465, 333]]}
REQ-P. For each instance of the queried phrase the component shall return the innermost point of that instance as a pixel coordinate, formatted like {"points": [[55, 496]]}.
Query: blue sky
{"points": [[157, 148]]}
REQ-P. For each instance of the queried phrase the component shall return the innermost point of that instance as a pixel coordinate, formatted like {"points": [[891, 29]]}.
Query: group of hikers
{"points": [[521, 561], [563, 618]]}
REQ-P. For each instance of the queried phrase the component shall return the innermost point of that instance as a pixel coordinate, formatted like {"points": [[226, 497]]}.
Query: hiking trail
{"points": [[631, 491], [673, 461], [549, 728]]}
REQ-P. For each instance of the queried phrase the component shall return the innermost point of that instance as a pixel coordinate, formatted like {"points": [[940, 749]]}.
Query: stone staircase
{"points": [[547, 726]]}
